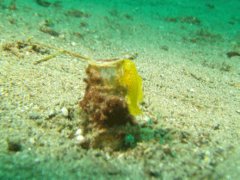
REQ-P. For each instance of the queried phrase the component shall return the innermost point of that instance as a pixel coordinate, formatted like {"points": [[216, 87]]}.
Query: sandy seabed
{"points": [[188, 57]]}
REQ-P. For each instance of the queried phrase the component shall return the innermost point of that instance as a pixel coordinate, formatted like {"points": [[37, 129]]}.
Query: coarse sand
{"points": [[191, 87]]}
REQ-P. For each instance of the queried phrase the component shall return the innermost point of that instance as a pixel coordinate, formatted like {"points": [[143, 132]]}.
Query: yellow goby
{"points": [[132, 81]]}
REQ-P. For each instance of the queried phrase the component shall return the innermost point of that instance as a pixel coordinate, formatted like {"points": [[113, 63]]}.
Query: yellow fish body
{"points": [[132, 81]]}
